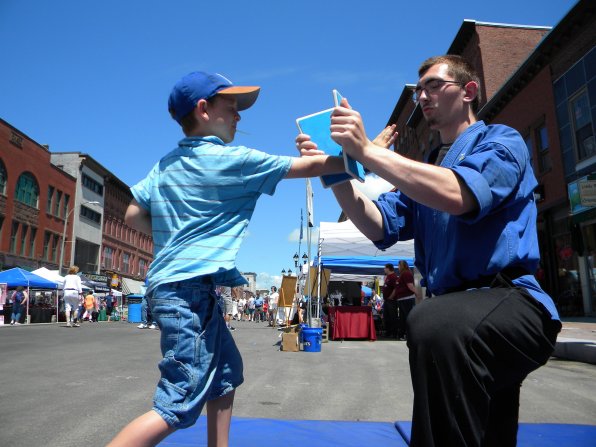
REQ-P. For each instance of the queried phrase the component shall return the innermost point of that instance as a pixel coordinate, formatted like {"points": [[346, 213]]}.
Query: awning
{"points": [[132, 286]]}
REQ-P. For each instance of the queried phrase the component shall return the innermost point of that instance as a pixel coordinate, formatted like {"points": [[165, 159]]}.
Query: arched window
{"points": [[27, 190], [3, 178]]}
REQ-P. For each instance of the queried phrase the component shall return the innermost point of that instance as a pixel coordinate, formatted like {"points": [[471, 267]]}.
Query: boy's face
{"points": [[223, 117]]}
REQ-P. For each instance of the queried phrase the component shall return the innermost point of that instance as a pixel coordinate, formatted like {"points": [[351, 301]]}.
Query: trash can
{"points": [[312, 338], [134, 308]]}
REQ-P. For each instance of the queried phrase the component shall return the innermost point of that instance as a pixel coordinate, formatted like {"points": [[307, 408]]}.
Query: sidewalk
{"points": [[577, 340]]}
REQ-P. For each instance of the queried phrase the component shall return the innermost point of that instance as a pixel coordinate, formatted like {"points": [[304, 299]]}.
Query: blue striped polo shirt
{"points": [[201, 197]]}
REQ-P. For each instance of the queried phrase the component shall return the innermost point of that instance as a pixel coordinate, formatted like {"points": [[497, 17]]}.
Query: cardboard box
{"points": [[289, 342]]}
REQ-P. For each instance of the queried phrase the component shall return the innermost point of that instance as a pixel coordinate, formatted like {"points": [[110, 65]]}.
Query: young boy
{"points": [[197, 202]]}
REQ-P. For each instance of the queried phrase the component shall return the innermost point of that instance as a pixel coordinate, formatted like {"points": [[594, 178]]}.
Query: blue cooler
{"points": [[312, 338]]}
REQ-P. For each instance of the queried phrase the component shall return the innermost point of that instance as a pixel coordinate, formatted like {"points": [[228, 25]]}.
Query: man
{"points": [[258, 308], [390, 302], [273, 300], [473, 218], [110, 300]]}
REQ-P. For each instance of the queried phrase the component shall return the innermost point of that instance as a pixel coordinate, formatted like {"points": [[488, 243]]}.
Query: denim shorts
{"points": [[200, 359]]}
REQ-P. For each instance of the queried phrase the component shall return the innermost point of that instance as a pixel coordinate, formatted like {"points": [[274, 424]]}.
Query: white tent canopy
{"points": [[51, 275], [344, 239]]}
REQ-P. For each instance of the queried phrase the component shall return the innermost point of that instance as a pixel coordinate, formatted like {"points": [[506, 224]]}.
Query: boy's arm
{"points": [[315, 166], [138, 217]]}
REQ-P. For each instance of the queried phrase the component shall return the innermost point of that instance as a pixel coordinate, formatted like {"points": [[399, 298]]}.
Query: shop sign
{"points": [[577, 203]]}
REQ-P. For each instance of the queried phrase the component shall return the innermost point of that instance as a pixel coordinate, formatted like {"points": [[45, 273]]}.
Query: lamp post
{"points": [[64, 232], [283, 271], [304, 258], [295, 258]]}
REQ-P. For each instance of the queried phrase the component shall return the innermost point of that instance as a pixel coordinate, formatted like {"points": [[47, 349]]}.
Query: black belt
{"points": [[508, 274]]}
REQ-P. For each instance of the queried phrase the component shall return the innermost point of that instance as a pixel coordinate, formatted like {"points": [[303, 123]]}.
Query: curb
{"points": [[577, 350]]}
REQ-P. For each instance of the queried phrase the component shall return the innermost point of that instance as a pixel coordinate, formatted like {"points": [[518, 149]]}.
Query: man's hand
{"points": [[347, 130], [387, 137]]}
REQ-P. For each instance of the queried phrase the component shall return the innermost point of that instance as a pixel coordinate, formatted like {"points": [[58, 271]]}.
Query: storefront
{"points": [[579, 251]]}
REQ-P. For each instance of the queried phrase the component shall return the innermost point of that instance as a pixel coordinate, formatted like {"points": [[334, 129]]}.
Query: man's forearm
{"points": [[361, 210], [315, 166]]}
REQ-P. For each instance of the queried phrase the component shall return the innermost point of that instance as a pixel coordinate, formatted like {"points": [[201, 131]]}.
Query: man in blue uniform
{"points": [[471, 213]]}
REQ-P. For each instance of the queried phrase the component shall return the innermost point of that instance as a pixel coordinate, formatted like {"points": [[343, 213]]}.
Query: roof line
{"points": [[508, 25]]}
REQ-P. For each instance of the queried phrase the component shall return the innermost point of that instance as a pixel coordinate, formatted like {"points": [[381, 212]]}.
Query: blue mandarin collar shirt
{"points": [[493, 161]]}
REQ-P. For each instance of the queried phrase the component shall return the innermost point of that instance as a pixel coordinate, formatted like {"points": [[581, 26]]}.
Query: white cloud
{"points": [[266, 280], [373, 186], [294, 236]]}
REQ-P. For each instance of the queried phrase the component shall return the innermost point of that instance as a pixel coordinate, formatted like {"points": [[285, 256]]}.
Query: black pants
{"points": [[469, 354], [404, 306], [390, 318]]}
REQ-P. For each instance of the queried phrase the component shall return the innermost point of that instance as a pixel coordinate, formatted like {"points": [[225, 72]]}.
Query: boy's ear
{"points": [[201, 110]]}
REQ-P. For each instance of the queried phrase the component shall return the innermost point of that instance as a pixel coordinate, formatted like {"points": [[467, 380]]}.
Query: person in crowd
{"points": [[110, 300], [73, 291], [251, 308], [91, 307], [258, 317], [146, 316], [390, 315], [228, 306], [197, 202], [265, 312], [405, 292], [273, 300], [19, 300], [472, 214], [241, 307]]}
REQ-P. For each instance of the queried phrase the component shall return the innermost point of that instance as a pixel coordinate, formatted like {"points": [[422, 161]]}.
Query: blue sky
{"points": [[95, 77]]}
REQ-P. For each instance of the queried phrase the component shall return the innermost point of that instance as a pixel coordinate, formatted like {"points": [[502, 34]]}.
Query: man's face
{"points": [[441, 102], [223, 117], [387, 271]]}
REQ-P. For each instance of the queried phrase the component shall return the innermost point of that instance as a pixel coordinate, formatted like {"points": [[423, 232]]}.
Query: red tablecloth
{"points": [[352, 322]]}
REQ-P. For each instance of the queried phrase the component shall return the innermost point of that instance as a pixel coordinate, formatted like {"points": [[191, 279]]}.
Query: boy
{"points": [[197, 202]]}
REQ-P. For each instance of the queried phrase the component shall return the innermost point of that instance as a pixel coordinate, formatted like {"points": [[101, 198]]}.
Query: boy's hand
{"points": [[306, 147], [347, 129], [387, 137]]}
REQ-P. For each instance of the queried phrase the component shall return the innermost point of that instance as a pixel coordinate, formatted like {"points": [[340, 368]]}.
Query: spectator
{"points": [[405, 292], [91, 307], [251, 308], [110, 301], [73, 291], [19, 299], [241, 307], [258, 308], [146, 317], [273, 300], [390, 302]]}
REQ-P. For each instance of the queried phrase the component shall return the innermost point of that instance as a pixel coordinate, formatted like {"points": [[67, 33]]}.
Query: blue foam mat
{"points": [[537, 435], [255, 432]]}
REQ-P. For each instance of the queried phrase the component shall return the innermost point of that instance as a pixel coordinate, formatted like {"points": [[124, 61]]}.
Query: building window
{"points": [[32, 236], [46, 245], [92, 184], [108, 261], [582, 126], [54, 248], [142, 268], [530, 146], [542, 147], [90, 214], [27, 191], [24, 229], [13, 237], [50, 198], [125, 262], [57, 203], [65, 207], [3, 178]]}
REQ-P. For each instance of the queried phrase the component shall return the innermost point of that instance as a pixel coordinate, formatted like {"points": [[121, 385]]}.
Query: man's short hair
{"points": [[389, 266], [461, 70], [274, 288]]}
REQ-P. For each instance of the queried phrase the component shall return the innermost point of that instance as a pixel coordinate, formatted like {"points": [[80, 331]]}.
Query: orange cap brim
{"points": [[245, 96]]}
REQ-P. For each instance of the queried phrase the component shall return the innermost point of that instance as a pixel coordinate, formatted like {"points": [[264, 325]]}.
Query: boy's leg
{"points": [[219, 416], [145, 431]]}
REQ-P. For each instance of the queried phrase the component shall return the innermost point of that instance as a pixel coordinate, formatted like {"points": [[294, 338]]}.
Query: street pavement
{"points": [[78, 386]]}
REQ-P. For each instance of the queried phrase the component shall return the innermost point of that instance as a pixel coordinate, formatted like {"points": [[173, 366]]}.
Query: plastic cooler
{"points": [[312, 338]]}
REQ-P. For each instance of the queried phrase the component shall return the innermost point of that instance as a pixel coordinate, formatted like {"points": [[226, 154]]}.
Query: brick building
{"points": [[540, 81], [35, 201]]}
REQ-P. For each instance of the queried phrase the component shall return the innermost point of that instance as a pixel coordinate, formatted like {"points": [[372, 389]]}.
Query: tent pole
{"points": [[319, 275], [28, 299]]}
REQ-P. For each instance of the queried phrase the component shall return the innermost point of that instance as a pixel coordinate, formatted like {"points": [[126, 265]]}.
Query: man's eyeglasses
{"points": [[430, 87]]}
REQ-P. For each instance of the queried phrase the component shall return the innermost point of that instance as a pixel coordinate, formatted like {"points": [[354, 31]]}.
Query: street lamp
{"points": [[304, 258], [290, 272], [283, 271], [295, 258], [64, 232]]}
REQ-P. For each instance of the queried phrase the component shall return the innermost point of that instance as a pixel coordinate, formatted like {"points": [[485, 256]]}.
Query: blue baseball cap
{"points": [[198, 85]]}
